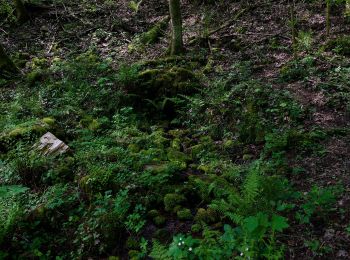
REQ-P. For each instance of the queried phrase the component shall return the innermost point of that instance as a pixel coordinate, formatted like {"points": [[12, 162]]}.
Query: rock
{"points": [[342, 254], [50, 144], [329, 234]]}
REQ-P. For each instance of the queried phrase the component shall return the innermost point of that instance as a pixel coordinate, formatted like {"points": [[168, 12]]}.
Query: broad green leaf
{"points": [[278, 223]]}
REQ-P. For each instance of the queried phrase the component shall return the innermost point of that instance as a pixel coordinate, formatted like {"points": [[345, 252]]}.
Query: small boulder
{"points": [[50, 144]]}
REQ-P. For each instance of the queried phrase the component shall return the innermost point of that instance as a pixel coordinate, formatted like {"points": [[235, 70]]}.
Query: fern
{"points": [[159, 251], [251, 185], [11, 190], [10, 211]]}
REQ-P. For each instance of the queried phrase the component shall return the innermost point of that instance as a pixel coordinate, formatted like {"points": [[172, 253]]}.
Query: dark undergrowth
{"points": [[176, 158]]}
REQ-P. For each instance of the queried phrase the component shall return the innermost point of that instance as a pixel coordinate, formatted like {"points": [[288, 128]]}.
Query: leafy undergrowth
{"points": [[176, 159]]}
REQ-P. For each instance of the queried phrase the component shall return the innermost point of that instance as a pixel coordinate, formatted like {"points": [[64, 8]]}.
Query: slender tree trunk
{"points": [[328, 17], [293, 26], [6, 63], [176, 26], [22, 13]]}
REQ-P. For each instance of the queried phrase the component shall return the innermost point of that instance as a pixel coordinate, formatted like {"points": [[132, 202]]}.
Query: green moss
{"points": [[113, 258], [49, 121], [206, 215], [35, 128], [157, 168], [196, 228], [184, 214], [176, 144], [39, 62], [134, 148], [196, 150], [177, 208], [167, 82], [176, 156], [247, 157], [159, 220], [171, 200], [133, 254], [157, 31], [132, 243], [177, 133], [207, 168], [94, 125], [34, 76], [153, 213]]}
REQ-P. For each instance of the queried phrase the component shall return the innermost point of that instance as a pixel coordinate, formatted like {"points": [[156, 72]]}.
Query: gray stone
{"points": [[50, 144]]}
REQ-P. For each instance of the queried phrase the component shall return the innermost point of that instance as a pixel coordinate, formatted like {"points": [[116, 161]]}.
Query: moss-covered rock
{"points": [[206, 215], [247, 157], [153, 213], [90, 123], [195, 228], [166, 82], [184, 214], [196, 150], [27, 131], [176, 144], [176, 156], [159, 221], [35, 75], [134, 148], [133, 254], [49, 121], [171, 200]]}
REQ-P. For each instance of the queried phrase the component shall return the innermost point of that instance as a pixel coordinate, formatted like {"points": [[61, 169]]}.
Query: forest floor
{"points": [[290, 116]]}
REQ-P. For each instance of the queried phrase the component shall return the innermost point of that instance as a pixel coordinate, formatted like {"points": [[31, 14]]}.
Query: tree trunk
{"points": [[328, 17], [176, 26], [22, 13], [293, 26], [6, 63]]}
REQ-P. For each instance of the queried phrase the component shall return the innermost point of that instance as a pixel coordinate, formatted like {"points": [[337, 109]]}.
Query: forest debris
{"points": [[223, 26], [50, 144]]}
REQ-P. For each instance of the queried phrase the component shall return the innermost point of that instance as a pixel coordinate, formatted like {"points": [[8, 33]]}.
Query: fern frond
{"points": [[251, 185], [159, 251]]}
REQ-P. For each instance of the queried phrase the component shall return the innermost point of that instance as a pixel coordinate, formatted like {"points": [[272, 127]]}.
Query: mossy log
{"points": [[6, 63], [157, 31]]}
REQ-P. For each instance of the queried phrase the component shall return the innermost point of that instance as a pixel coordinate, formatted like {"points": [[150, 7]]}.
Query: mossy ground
{"points": [[238, 147]]}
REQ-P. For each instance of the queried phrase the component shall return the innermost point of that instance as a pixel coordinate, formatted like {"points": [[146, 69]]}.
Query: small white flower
{"points": [[247, 249], [180, 238], [242, 254], [183, 242], [179, 244], [190, 249]]}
